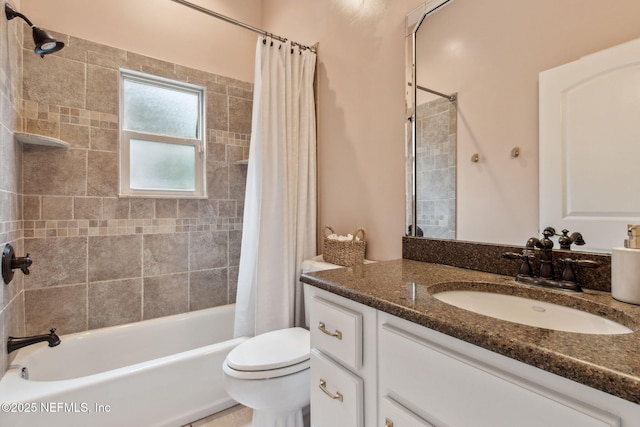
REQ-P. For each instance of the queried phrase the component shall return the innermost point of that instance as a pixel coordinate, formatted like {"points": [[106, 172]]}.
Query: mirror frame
{"points": [[414, 21]]}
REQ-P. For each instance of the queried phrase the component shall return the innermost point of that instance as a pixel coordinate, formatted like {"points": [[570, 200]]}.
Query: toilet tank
{"points": [[309, 266], [317, 264]]}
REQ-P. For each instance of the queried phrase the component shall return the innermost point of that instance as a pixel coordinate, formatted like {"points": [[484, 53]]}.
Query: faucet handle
{"points": [[526, 257], [586, 263], [568, 273], [23, 263]]}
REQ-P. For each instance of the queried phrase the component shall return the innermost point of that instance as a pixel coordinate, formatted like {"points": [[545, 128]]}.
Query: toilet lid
{"points": [[271, 350]]}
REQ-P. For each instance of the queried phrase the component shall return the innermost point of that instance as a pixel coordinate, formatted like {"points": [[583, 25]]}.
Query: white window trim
{"points": [[199, 143]]}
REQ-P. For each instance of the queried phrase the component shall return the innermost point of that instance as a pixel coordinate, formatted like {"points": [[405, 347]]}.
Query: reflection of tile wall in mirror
{"points": [[436, 168]]}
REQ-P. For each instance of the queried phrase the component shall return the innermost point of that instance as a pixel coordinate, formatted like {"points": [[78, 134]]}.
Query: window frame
{"points": [[125, 137]]}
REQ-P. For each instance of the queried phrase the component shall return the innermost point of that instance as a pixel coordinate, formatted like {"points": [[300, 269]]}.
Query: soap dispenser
{"points": [[625, 268]]}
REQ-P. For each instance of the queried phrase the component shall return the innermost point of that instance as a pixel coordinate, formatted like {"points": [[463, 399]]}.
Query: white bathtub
{"points": [[159, 372]]}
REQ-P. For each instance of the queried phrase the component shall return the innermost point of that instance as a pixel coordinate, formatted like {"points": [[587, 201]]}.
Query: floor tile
{"points": [[236, 416]]}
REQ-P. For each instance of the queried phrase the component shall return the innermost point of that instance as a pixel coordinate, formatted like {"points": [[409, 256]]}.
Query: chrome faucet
{"points": [[15, 343], [546, 276]]}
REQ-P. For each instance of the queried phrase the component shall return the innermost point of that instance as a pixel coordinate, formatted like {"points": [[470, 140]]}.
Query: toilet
{"points": [[270, 372]]}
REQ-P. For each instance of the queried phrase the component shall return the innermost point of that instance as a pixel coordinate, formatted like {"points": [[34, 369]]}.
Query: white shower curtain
{"points": [[279, 228]]}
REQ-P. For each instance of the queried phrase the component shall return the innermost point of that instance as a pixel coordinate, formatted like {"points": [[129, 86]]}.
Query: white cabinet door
{"points": [[336, 394], [448, 388]]}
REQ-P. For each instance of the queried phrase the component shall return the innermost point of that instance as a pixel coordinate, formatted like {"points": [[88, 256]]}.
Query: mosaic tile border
{"points": [[118, 227]]}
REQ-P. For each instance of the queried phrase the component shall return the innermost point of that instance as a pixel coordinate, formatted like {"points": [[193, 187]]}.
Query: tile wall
{"points": [[100, 260], [11, 297]]}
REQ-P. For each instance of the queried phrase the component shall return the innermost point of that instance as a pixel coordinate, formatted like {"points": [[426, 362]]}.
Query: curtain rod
{"points": [[451, 98], [238, 23]]}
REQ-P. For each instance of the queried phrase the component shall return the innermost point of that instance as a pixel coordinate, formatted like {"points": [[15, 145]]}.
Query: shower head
{"points": [[45, 44]]}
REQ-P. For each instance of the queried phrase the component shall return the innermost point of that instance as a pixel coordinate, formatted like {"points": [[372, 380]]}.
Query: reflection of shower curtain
{"points": [[279, 229]]}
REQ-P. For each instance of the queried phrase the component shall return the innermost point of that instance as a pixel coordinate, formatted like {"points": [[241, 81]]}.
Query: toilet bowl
{"points": [[270, 372]]}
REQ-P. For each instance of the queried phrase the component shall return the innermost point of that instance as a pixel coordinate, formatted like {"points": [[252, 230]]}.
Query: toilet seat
{"points": [[269, 355]]}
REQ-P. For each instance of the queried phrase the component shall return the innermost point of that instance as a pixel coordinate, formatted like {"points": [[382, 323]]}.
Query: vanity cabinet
{"points": [[434, 379], [397, 373], [343, 361]]}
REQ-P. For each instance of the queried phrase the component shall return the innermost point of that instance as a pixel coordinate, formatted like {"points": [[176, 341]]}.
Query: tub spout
{"points": [[15, 343]]}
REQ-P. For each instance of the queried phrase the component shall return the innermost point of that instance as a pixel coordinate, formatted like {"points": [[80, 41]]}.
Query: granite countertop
{"points": [[403, 288]]}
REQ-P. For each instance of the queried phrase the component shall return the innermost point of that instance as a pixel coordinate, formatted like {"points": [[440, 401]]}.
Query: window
{"points": [[162, 143]]}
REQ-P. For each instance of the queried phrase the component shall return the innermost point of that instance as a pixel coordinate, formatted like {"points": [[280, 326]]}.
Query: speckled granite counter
{"points": [[403, 288]]}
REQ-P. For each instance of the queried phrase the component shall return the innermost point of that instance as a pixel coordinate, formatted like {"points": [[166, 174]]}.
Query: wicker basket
{"points": [[345, 253]]}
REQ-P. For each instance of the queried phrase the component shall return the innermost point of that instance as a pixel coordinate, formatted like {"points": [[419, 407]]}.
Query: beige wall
{"points": [[361, 110], [160, 29]]}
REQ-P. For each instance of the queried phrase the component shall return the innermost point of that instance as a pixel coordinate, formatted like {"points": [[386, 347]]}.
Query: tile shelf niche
{"points": [[33, 139]]}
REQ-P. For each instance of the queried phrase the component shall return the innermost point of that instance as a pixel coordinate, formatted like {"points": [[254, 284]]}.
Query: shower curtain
{"points": [[279, 229]]}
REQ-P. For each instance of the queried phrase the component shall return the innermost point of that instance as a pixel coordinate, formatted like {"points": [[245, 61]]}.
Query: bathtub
{"points": [[159, 372]]}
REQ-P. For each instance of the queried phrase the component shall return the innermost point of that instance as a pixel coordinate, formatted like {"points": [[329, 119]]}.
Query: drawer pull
{"points": [[388, 423], [336, 334], [323, 387]]}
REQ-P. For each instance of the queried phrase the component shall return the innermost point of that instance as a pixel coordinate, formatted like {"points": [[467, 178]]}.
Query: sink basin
{"points": [[531, 312]]}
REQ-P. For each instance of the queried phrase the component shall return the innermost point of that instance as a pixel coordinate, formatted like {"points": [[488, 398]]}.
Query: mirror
{"points": [[431, 171], [490, 54]]}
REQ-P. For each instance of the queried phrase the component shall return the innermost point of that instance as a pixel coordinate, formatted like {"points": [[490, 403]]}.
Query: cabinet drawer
{"points": [[337, 331], [392, 414], [336, 394]]}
